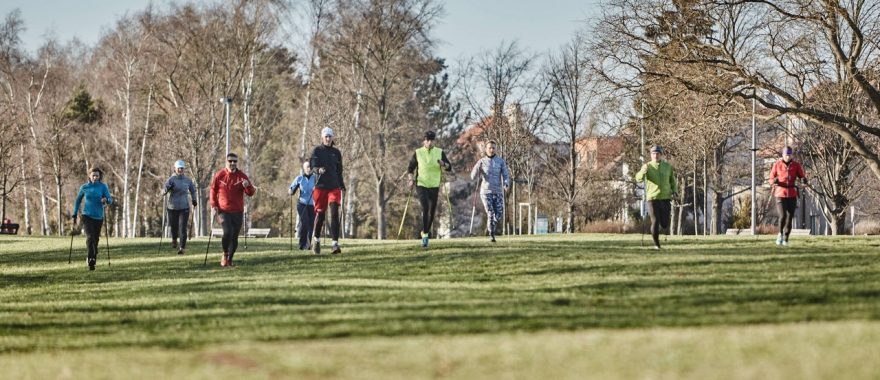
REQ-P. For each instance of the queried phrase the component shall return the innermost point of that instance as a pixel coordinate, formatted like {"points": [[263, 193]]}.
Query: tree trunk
{"points": [[380, 209], [24, 191], [717, 208], [350, 227], [140, 174]]}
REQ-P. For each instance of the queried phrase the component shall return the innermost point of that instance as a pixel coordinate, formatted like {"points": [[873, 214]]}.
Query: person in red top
{"points": [[783, 176], [227, 200]]}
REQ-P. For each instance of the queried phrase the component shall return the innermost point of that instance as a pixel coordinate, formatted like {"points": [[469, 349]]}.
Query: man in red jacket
{"points": [[227, 200], [783, 176]]}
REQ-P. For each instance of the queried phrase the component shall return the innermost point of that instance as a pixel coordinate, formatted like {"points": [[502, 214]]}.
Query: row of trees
{"points": [[684, 71]]}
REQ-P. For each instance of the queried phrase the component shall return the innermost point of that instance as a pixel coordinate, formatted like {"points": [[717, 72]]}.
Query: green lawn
{"points": [[556, 306]]}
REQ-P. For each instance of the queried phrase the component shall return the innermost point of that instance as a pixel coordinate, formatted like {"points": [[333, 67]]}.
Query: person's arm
{"points": [[505, 175], [411, 170], [640, 175], [295, 185], [774, 180], [673, 184], [192, 193], [76, 203], [339, 171], [168, 185], [445, 161], [413, 165], [107, 198], [476, 169], [215, 187], [249, 189], [315, 162]]}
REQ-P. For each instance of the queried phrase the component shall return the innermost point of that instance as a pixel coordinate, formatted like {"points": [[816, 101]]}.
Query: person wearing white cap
{"points": [[783, 176], [178, 206], [659, 178], [326, 161]]}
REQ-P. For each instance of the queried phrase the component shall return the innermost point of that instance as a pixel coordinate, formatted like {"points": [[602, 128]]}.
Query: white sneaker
{"points": [[779, 240], [784, 243]]}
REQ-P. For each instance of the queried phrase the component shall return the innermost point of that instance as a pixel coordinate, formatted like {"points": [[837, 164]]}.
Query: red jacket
{"points": [[227, 192], [786, 175]]}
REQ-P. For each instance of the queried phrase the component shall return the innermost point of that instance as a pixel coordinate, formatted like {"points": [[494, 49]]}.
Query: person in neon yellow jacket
{"points": [[659, 178], [425, 164]]}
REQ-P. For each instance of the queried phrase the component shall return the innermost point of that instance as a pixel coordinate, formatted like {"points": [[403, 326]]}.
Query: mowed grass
{"points": [[526, 307]]}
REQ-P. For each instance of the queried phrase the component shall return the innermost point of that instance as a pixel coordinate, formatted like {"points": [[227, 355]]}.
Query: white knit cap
{"points": [[327, 131]]}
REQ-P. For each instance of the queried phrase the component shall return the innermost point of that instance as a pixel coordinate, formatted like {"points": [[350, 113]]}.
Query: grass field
{"points": [[597, 306]]}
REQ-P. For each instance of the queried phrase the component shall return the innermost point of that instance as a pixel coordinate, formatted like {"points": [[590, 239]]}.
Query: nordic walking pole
{"points": [[210, 233], [291, 223], [164, 218], [107, 233], [342, 215], [405, 209], [449, 203], [474, 207], [70, 252]]}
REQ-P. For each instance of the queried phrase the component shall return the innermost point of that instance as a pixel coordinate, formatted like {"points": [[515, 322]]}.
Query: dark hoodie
{"points": [[329, 158]]}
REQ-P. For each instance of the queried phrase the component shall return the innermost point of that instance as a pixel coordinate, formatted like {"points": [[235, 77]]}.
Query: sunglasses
{"points": [[233, 161]]}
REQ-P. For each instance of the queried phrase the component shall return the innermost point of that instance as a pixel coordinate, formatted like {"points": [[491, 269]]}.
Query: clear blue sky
{"points": [[468, 27]]}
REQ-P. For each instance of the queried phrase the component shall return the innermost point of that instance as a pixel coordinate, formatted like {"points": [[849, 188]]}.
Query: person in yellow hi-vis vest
{"points": [[659, 178], [425, 165]]}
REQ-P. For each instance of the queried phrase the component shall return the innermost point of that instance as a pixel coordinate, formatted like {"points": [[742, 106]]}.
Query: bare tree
{"points": [[575, 92], [781, 47], [385, 45]]}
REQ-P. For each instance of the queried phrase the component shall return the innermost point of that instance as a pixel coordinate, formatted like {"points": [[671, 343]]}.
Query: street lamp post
{"points": [[754, 158], [227, 101]]}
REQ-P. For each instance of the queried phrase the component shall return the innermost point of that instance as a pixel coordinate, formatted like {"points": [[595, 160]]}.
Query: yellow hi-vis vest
{"points": [[429, 169]]}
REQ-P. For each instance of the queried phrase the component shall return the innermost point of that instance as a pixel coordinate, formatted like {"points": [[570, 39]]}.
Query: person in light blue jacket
{"points": [[95, 194], [305, 207], [179, 186], [495, 177]]}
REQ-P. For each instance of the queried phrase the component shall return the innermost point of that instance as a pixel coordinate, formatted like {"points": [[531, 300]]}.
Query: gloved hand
{"points": [[195, 203], [74, 219]]}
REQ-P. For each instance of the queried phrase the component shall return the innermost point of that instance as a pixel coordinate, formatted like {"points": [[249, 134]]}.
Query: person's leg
{"points": [[655, 222], [789, 206], [498, 201], [487, 206], [309, 224], [334, 220], [92, 229], [174, 225], [320, 196], [334, 200], [780, 210], [665, 213], [226, 223], [424, 204], [302, 233], [183, 221], [236, 221], [433, 194]]}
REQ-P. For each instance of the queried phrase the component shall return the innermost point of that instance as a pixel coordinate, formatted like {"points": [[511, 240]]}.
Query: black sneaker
{"points": [[180, 251], [316, 248], [493, 238], [336, 250], [174, 244], [91, 264]]}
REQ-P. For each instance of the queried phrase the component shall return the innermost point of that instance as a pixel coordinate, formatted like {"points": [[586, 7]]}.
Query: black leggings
{"points": [[428, 200], [93, 234], [659, 211], [785, 208], [231, 228], [334, 221], [178, 220]]}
